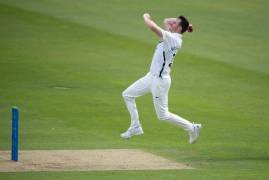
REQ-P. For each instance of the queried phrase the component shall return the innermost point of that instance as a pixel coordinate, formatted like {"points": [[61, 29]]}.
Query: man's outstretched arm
{"points": [[152, 25]]}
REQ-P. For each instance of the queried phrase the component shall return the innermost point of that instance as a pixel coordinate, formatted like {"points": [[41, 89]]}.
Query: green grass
{"points": [[97, 48]]}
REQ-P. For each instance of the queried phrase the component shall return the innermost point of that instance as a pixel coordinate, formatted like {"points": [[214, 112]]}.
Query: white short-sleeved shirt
{"points": [[165, 53]]}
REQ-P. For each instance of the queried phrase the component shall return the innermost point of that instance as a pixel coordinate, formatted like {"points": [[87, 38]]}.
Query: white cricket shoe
{"points": [[194, 134], [132, 131]]}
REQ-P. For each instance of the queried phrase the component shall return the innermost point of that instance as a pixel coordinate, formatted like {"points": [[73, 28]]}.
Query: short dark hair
{"points": [[184, 23]]}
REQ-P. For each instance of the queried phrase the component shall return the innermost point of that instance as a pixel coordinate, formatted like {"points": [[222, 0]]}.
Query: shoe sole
{"points": [[136, 134]]}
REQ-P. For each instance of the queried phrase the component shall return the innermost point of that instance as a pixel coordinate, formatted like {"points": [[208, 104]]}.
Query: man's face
{"points": [[174, 25]]}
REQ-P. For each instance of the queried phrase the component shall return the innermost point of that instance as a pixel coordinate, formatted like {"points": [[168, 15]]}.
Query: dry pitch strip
{"points": [[79, 160]]}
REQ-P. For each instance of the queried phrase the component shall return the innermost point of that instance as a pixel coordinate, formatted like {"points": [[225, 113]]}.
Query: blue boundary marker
{"points": [[15, 134]]}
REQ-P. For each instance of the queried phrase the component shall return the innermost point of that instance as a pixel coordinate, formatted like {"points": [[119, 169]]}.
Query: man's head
{"points": [[179, 25], [184, 25]]}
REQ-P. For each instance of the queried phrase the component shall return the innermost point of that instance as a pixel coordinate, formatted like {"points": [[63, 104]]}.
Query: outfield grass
{"points": [[65, 64]]}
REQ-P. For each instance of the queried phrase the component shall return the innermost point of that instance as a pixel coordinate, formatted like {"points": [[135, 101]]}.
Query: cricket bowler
{"points": [[158, 80]]}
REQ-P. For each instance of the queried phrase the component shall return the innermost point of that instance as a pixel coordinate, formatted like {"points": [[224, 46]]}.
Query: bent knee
{"points": [[126, 95], [123, 93]]}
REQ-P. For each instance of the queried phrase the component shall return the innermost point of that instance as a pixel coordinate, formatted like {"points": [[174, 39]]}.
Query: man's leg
{"points": [[160, 89], [138, 88]]}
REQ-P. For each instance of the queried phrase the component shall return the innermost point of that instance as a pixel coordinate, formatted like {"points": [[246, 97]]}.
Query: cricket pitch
{"points": [[86, 160]]}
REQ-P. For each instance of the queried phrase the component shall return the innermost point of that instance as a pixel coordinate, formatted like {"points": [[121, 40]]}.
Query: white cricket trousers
{"points": [[159, 88]]}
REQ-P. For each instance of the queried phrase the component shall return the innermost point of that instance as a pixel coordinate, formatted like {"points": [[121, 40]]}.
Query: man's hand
{"points": [[152, 25], [146, 16]]}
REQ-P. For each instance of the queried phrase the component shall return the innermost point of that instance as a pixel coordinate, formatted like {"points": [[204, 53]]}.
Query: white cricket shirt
{"points": [[165, 53]]}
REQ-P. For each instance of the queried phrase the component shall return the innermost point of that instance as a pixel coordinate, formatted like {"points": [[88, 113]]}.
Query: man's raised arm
{"points": [[152, 25]]}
